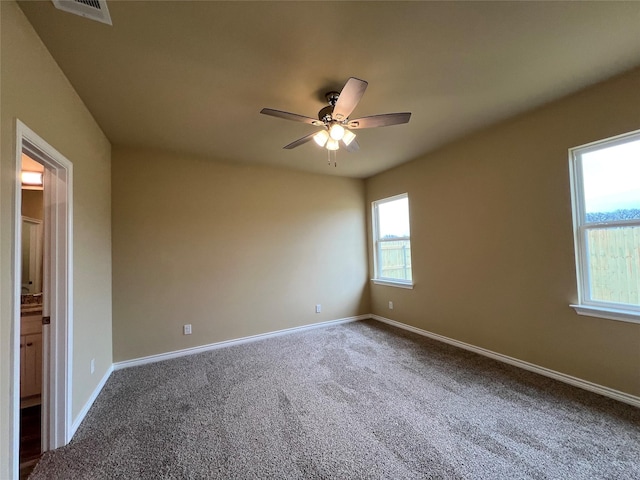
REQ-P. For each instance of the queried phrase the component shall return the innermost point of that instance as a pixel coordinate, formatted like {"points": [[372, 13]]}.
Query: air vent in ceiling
{"points": [[92, 9]]}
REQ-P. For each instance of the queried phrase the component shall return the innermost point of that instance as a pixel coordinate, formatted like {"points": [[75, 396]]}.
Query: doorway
{"points": [[41, 376], [31, 313]]}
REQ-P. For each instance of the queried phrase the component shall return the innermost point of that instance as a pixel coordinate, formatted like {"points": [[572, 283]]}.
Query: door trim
{"points": [[58, 287]]}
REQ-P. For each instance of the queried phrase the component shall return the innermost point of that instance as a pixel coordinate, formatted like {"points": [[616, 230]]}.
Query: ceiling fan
{"points": [[334, 119]]}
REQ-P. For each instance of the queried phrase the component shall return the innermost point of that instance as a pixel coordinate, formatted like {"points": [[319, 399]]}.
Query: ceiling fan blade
{"points": [[349, 98], [383, 120], [300, 141], [354, 146], [291, 116]]}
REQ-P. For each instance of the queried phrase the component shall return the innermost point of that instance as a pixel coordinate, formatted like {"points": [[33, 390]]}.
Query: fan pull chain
{"points": [[335, 157]]}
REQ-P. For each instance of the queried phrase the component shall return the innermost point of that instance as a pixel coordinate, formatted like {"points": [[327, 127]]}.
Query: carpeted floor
{"points": [[359, 400]]}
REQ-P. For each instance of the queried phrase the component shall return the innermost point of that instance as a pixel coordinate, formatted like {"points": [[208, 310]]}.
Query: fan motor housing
{"points": [[326, 114]]}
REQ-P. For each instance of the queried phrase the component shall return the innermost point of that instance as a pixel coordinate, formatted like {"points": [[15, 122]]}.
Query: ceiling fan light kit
{"points": [[332, 144], [336, 131], [321, 138], [334, 119], [348, 137]]}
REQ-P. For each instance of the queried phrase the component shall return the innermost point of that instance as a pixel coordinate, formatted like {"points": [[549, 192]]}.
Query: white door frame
{"points": [[58, 288]]}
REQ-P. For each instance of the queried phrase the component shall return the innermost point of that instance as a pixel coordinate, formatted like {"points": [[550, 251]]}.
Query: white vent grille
{"points": [[92, 9]]}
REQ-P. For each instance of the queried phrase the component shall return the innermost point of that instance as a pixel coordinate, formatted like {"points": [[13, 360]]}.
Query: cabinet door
{"points": [[31, 383]]}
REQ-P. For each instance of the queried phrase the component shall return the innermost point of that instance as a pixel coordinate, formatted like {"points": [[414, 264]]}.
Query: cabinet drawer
{"points": [[30, 324]]}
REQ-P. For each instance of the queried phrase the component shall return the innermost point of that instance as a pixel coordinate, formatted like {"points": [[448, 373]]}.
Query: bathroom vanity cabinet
{"points": [[31, 357]]}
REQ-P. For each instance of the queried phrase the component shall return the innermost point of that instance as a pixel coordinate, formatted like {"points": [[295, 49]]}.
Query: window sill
{"points": [[391, 283], [609, 313]]}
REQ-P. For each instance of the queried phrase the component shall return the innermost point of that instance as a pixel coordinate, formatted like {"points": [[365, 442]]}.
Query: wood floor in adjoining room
{"points": [[30, 439]]}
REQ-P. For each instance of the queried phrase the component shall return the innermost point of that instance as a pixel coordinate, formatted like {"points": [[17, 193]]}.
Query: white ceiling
{"points": [[192, 76]]}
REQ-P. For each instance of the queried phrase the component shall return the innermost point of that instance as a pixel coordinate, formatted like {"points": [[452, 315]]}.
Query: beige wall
{"points": [[492, 241], [34, 90], [232, 250]]}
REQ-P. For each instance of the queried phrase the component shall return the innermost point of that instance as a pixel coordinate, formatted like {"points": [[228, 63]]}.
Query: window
{"points": [[392, 241], [606, 211]]}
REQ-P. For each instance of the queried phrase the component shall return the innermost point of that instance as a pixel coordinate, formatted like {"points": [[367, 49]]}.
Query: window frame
{"points": [[377, 243], [587, 305]]}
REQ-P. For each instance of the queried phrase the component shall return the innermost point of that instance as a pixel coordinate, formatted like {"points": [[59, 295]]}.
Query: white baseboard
{"points": [[228, 343], [83, 413], [576, 382]]}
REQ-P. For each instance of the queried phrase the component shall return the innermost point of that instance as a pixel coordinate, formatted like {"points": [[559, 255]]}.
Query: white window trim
{"points": [[609, 313], [586, 306], [393, 283], [389, 282]]}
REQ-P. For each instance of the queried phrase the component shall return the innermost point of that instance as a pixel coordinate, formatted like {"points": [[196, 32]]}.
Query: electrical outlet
{"points": [[318, 308], [390, 305], [93, 365], [187, 329]]}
